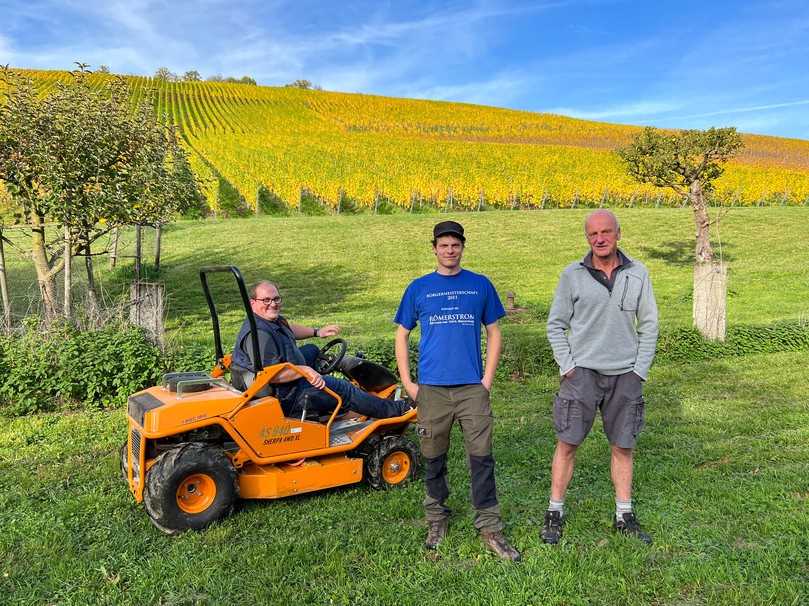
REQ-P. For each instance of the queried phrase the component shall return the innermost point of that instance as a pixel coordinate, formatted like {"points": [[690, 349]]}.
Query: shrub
{"points": [[63, 367]]}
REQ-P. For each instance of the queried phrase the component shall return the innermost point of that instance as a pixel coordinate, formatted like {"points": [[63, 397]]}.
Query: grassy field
{"points": [[353, 146], [720, 483], [720, 476], [353, 269]]}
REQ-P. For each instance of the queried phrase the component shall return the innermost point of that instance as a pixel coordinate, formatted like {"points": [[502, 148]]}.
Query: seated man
{"points": [[277, 344]]}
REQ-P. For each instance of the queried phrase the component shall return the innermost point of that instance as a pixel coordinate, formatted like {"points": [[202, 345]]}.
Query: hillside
{"points": [[353, 150]]}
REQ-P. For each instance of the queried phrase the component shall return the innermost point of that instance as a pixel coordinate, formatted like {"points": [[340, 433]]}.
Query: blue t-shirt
{"points": [[450, 310]]}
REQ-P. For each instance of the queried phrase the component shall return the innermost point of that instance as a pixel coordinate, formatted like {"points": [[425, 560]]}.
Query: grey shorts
{"points": [[619, 397]]}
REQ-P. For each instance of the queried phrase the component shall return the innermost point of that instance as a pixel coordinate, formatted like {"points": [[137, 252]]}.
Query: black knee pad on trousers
{"points": [[484, 491], [435, 477]]}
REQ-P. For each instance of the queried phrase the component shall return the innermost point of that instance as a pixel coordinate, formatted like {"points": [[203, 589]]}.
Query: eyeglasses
{"points": [[269, 300]]}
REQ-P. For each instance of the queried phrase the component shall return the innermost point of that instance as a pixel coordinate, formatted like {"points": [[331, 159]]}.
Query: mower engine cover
{"points": [[369, 375]]}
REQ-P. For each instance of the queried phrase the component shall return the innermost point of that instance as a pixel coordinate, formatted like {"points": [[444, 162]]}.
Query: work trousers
{"points": [[439, 407]]}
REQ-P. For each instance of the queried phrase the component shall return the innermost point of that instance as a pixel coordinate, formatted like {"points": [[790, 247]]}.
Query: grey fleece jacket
{"points": [[609, 332]]}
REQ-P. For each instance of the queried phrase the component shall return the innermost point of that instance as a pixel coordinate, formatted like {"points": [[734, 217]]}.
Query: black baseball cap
{"points": [[448, 228]]}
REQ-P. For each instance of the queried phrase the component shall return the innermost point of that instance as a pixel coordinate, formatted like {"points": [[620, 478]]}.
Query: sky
{"points": [[682, 64]]}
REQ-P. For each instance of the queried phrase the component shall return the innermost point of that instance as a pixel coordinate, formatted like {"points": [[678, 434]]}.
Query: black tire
{"points": [[203, 474], [123, 460], [392, 462]]}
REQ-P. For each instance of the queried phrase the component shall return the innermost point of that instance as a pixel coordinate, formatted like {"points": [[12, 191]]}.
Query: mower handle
{"points": [[217, 338]]}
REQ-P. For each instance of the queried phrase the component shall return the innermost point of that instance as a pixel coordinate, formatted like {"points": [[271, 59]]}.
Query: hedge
{"points": [[64, 368]]}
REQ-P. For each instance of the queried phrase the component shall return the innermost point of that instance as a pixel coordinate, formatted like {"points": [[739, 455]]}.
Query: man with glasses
{"points": [[277, 344]]}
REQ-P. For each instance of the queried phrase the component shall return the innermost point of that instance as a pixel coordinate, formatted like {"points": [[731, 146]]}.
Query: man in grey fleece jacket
{"points": [[602, 328]]}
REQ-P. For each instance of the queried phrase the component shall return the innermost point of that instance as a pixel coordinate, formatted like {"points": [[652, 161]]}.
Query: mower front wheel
{"points": [[190, 487], [393, 461]]}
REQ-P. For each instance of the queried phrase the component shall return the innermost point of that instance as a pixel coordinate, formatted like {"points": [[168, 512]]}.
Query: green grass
{"points": [[720, 482], [720, 474]]}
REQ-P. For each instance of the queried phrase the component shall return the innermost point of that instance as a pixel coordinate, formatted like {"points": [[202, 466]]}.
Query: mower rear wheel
{"points": [[393, 461], [189, 487]]}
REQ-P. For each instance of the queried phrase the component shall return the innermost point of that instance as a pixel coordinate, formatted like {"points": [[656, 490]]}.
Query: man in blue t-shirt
{"points": [[450, 305]]}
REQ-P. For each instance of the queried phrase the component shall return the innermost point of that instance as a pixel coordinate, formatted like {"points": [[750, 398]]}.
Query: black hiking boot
{"points": [[436, 531], [630, 527], [496, 542], [552, 528]]}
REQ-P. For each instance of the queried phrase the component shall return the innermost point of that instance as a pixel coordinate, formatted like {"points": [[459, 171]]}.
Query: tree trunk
{"points": [[45, 278], [704, 252], [92, 292], [114, 254], [710, 296], [4, 287], [68, 305], [157, 236], [710, 275]]}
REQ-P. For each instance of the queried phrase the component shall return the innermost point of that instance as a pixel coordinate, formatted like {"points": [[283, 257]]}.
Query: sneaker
{"points": [[630, 527], [436, 531], [496, 542], [552, 528]]}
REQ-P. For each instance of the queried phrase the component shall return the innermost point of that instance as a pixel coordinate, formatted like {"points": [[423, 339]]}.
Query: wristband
{"points": [[317, 330]]}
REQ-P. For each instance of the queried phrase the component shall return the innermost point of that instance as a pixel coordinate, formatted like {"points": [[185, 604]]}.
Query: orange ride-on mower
{"points": [[198, 442]]}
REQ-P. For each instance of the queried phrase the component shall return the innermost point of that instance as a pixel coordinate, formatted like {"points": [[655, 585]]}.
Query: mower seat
{"points": [[241, 378]]}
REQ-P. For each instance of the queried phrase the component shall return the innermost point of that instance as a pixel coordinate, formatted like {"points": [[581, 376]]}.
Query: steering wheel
{"points": [[327, 360]]}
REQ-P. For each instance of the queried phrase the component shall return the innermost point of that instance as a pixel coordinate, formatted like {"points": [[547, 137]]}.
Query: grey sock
{"points": [[622, 507], [557, 506]]}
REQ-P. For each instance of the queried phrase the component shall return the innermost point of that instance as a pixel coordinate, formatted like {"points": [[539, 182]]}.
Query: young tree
{"points": [[164, 73], [192, 75], [689, 162], [304, 84], [82, 159]]}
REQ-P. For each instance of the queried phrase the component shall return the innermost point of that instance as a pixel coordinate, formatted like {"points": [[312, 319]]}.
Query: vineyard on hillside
{"points": [[286, 146]]}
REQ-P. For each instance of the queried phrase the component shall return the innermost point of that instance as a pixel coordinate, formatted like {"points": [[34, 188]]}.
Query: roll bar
{"points": [[217, 338]]}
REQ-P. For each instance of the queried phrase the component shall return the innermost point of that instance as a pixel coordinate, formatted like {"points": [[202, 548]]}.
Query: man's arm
{"points": [[402, 349], [559, 317], [494, 346], [647, 330], [310, 374], [305, 332]]}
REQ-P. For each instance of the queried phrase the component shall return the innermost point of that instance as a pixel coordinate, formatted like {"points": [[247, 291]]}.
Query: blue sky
{"points": [[676, 64]]}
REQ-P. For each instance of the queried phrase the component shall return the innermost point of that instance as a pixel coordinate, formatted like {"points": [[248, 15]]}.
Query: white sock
{"points": [[557, 506], [622, 507]]}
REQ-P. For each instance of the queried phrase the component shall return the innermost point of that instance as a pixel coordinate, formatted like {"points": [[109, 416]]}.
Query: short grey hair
{"points": [[602, 211], [253, 291]]}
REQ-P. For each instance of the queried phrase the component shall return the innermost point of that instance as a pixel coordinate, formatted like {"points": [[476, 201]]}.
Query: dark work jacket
{"points": [[276, 342]]}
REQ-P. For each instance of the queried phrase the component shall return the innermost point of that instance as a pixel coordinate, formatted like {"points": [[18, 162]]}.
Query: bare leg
{"points": [[621, 471], [562, 469]]}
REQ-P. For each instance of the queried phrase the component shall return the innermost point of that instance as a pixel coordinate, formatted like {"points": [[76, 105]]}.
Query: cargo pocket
{"points": [[639, 419], [561, 413]]}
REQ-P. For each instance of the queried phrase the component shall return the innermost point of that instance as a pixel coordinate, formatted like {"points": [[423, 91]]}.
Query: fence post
{"points": [[4, 286], [157, 238], [138, 243], [68, 273]]}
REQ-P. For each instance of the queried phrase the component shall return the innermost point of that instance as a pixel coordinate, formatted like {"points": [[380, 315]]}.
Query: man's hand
{"points": [[569, 374], [411, 388], [314, 377], [487, 383], [329, 330]]}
